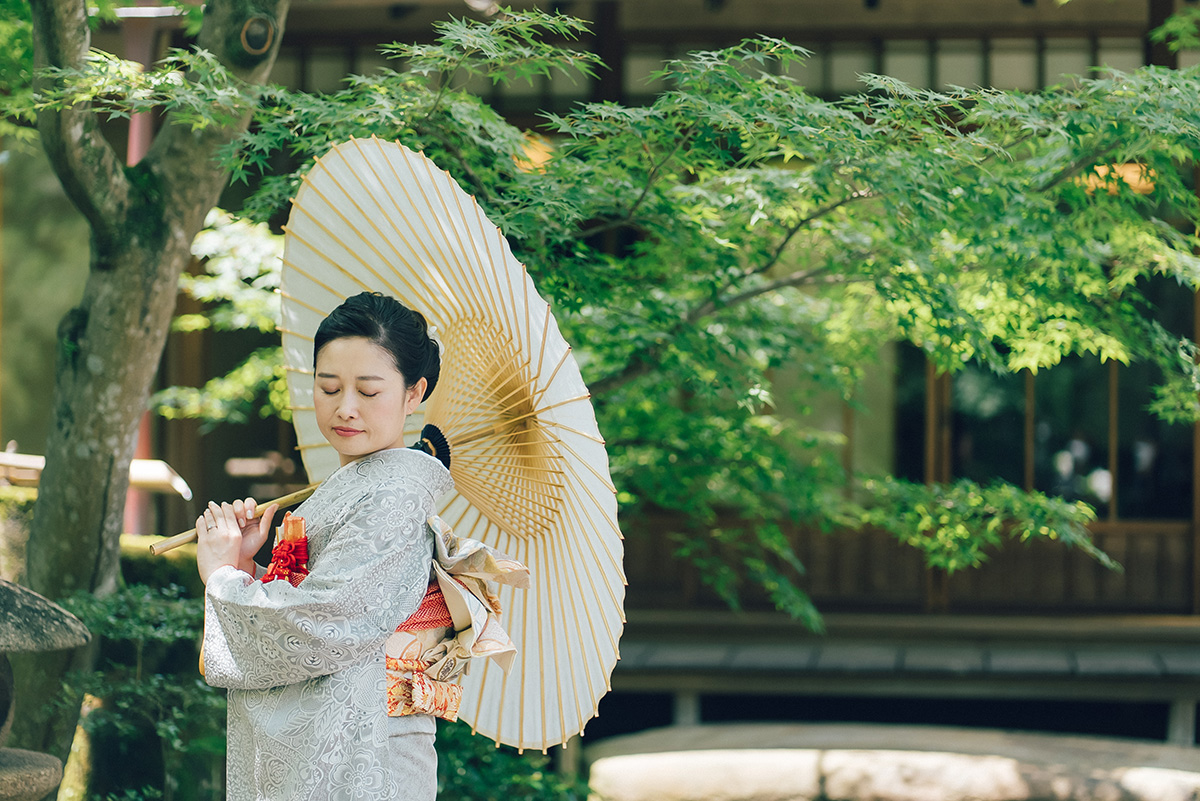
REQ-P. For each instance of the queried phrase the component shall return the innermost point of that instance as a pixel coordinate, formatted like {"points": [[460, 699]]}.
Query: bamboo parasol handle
{"points": [[291, 499]]}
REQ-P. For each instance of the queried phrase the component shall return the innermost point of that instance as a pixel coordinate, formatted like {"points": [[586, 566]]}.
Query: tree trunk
{"points": [[143, 220]]}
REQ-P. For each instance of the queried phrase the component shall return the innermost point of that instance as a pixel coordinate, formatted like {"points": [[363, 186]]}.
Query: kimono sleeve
{"points": [[369, 578]]}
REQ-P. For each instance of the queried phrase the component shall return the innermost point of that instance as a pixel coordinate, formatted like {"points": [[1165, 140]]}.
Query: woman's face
{"points": [[360, 398]]}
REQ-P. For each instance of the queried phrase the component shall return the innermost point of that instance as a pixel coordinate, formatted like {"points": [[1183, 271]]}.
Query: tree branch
{"points": [[795, 229], [645, 360], [480, 190], [188, 191], [651, 177], [1075, 167], [90, 171]]}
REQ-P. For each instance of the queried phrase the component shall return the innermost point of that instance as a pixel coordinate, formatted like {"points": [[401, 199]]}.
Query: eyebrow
{"points": [[360, 378]]}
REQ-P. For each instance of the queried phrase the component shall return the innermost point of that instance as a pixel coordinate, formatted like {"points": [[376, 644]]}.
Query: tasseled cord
{"points": [[434, 442]]}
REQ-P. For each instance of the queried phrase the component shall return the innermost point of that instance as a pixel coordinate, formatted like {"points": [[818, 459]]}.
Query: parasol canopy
{"points": [[529, 466]]}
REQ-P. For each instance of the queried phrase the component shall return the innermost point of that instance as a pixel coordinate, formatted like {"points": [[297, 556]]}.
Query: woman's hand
{"points": [[229, 535]]}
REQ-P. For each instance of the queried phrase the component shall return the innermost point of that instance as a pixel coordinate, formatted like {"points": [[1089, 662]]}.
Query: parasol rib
{"points": [[432, 294], [315, 189], [596, 557], [563, 566], [472, 436], [352, 253], [293, 299]]}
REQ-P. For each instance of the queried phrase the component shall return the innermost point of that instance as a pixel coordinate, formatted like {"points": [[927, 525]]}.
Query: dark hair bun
{"points": [[391, 325]]}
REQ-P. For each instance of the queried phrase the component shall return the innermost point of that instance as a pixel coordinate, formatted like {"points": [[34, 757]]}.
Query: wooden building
{"points": [[1039, 637]]}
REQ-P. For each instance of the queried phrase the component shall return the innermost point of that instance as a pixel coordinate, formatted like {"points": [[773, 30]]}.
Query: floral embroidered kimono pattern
{"points": [[305, 664]]}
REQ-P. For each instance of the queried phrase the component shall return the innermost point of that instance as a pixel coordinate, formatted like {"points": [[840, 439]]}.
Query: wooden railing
{"points": [[869, 571]]}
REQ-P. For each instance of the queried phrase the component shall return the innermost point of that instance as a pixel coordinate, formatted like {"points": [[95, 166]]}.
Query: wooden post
{"points": [[1030, 429], [1181, 722], [848, 450], [1114, 433], [569, 758], [687, 708], [931, 423], [938, 467], [1196, 469]]}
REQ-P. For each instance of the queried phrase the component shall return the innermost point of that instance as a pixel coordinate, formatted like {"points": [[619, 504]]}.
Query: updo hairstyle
{"points": [[391, 325]]}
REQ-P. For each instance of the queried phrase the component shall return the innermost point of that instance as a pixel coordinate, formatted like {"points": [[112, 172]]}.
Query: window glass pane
{"points": [[1122, 53], [1071, 432], [1014, 64], [988, 414], [846, 62], [908, 61], [569, 85], [522, 90], [640, 64], [1066, 60], [959, 62], [369, 61], [478, 85], [327, 68], [910, 412], [808, 73], [1154, 459], [286, 71]]}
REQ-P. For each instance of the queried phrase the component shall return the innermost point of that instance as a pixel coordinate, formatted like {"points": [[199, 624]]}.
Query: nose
{"points": [[347, 407]]}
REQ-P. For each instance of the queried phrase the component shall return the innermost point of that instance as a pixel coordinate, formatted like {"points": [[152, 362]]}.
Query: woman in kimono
{"points": [[305, 664]]}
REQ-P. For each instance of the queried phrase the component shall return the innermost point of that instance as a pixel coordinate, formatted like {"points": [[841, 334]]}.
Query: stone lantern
{"points": [[29, 622]]}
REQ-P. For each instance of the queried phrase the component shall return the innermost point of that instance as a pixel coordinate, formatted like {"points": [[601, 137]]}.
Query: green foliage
{"points": [[16, 515], [473, 768], [738, 229], [210, 96], [955, 525], [257, 386], [158, 726], [237, 288], [16, 71], [513, 46], [1180, 31], [16, 503]]}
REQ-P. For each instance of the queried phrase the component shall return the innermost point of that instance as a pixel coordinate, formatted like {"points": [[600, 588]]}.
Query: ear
{"points": [[414, 395]]}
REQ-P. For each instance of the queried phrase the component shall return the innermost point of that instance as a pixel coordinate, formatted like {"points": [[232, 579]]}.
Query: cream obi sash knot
{"points": [[424, 667]]}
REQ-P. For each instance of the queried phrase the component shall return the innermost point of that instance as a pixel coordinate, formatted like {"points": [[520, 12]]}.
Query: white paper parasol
{"points": [[529, 465]]}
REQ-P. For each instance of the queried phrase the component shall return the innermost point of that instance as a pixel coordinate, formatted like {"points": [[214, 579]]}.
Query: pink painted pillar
{"points": [[140, 34]]}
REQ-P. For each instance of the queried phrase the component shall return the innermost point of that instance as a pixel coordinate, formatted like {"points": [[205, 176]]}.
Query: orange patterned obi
{"points": [[431, 614], [410, 690]]}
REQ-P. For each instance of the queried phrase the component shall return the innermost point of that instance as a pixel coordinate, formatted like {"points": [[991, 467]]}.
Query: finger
{"points": [[239, 512], [214, 516], [264, 523], [206, 524], [251, 508]]}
